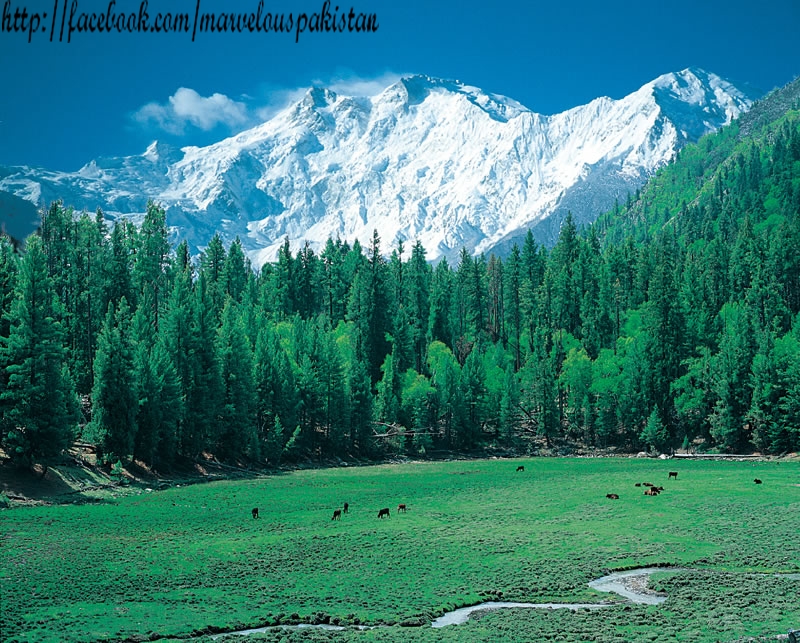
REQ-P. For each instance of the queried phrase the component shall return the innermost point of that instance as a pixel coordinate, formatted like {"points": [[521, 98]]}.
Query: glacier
{"points": [[426, 159]]}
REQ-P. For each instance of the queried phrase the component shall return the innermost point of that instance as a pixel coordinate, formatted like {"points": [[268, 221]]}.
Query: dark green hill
{"points": [[746, 169]]}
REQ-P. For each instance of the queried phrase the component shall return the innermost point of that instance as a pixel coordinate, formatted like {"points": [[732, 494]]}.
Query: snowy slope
{"points": [[426, 159]]}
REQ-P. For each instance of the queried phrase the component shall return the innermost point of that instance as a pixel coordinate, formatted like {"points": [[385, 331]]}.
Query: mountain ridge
{"points": [[430, 159]]}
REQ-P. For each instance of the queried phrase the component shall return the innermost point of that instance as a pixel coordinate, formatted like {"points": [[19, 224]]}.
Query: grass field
{"points": [[171, 563]]}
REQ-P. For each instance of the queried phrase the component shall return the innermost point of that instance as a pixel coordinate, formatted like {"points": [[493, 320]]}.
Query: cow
{"points": [[651, 492], [612, 496], [337, 514], [648, 484], [384, 512], [638, 484], [672, 474], [346, 507], [401, 508], [757, 481], [520, 468], [255, 512]]}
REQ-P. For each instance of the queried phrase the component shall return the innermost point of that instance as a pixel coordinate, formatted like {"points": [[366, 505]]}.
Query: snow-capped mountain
{"points": [[427, 159]]}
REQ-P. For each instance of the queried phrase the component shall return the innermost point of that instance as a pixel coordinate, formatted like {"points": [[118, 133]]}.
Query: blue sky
{"points": [[111, 94]]}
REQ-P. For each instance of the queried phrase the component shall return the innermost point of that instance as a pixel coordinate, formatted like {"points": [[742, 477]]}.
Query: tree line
{"points": [[110, 334]]}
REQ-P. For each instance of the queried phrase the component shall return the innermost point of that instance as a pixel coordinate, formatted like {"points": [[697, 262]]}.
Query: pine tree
{"points": [[152, 261], [160, 402], [40, 408], [204, 397], [238, 411], [360, 406], [418, 287], [440, 324], [212, 268], [512, 305], [655, 434], [8, 280], [731, 378], [114, 394], [236, 272]]}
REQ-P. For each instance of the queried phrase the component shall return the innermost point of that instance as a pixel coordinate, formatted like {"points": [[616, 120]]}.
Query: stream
{"points": [[631, 585]]}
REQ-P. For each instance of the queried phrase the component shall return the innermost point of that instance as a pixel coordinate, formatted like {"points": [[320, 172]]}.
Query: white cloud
{"points": [[352, 85], [187, 107]]}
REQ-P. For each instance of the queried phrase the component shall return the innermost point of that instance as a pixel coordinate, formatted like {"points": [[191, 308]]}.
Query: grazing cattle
{"points": [[384, 512], [520, 468], [757, 481], [612, 496], [346, 507], [255, 512], [401, 508], [672, 474], [337, 514], [648, 484], [638, 484], [651, 492]]}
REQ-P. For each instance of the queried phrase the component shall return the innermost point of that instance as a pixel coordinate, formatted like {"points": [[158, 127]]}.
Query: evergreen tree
{"points": [[731, 378], [152, 261], [40, 408], [114, 395], [160, 405], [236, 272], [418, 287], [237, 433], [204, 395], [655, 434]]}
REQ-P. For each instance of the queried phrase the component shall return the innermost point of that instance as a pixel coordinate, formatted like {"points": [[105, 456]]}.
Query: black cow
{"points": [[346, 507], [612, 496], [337, 514], [520, 468], [255, 512], [672, 474], [757, 481], [384, 512]]}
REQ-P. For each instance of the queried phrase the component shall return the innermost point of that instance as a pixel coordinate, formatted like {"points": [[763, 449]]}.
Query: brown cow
{"points": [[672, 474], [337, 514], [346, 507], [255, 512], [401, 508], [384, 512], [612, 496], [757, 481], [520, 468]]}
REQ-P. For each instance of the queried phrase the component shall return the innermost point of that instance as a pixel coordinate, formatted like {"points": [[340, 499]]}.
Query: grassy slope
{"points": [[691, 178], [179, 560]]}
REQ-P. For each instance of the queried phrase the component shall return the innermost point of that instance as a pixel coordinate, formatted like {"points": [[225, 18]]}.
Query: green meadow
{"points": [[165, 565]]}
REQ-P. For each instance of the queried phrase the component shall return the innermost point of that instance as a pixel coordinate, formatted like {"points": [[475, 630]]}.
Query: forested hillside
{"points": [[673, 320]]}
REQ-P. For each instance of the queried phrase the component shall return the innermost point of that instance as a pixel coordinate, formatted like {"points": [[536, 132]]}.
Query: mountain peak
{"points": [[318, 97], [159, 152], [429, 159]]}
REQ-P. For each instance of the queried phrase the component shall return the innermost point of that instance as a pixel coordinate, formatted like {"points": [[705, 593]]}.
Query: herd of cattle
{"points": [[337, 513], [652, 490]]}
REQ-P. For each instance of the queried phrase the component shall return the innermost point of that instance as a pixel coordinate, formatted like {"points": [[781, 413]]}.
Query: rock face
{"points": [[425, 159]]}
